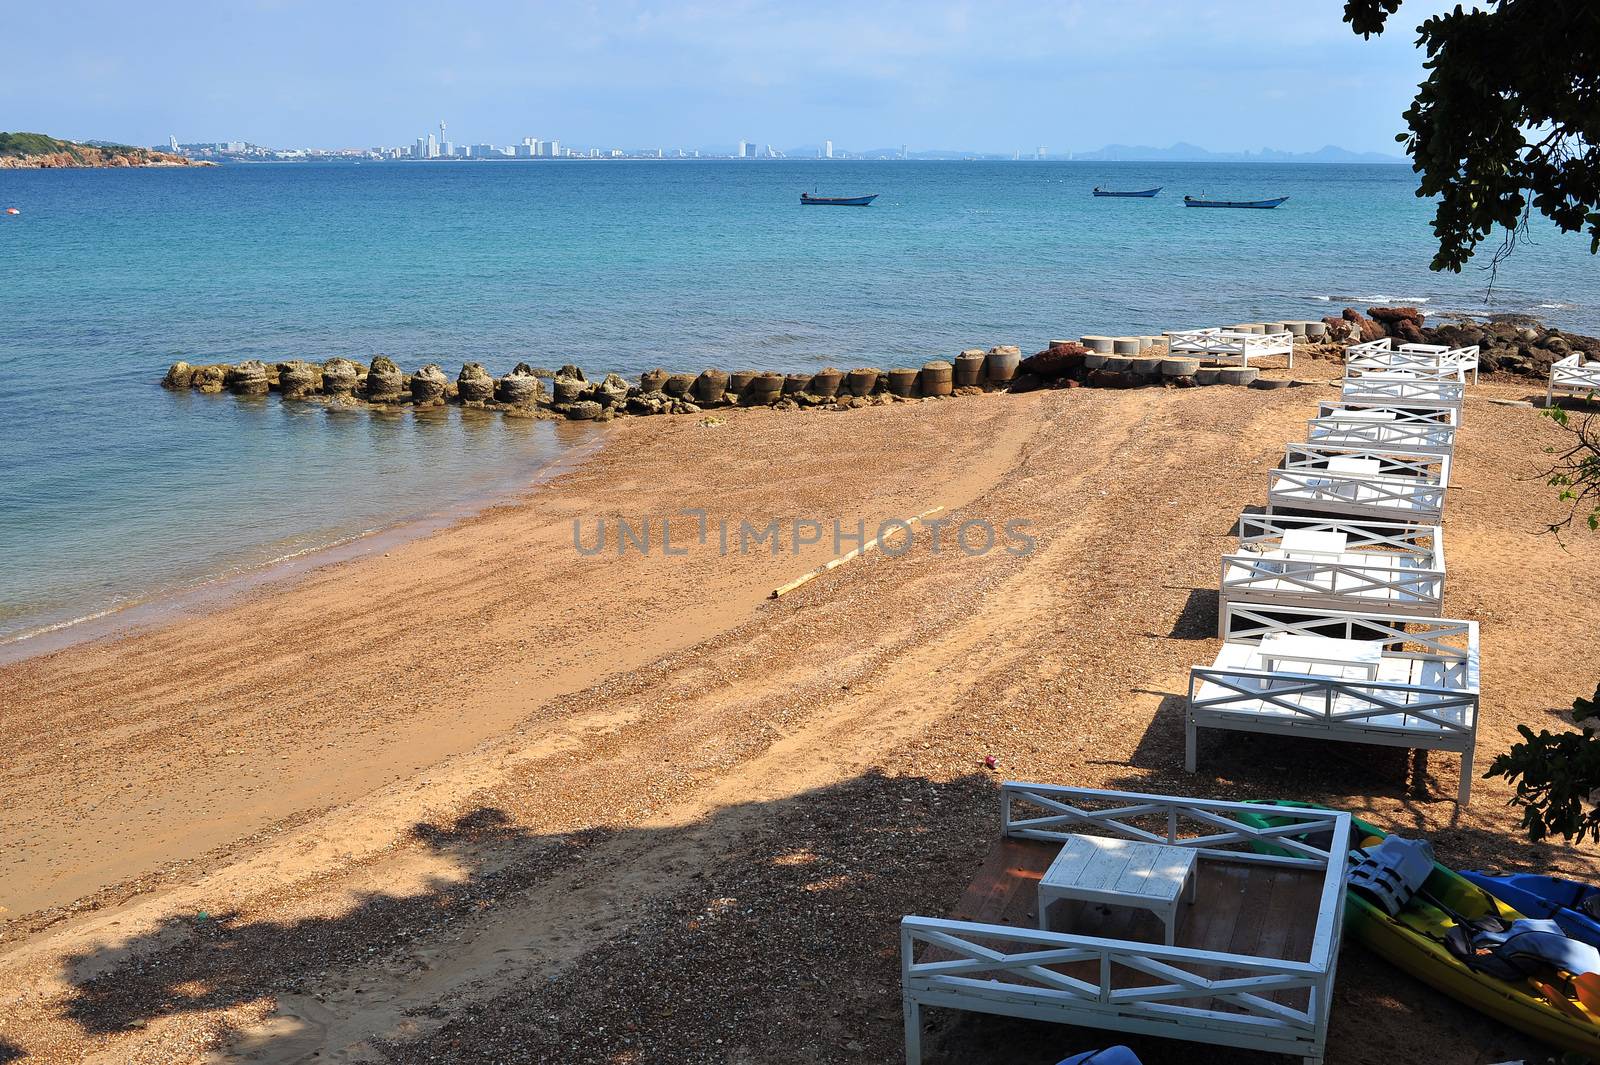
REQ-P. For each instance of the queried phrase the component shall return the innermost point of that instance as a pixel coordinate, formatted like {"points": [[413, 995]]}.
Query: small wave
{"points": [[1371, 299], [58, 626]]}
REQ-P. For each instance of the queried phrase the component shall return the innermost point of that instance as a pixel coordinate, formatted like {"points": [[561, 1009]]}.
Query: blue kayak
{"points": [[1117, 1055], [1567, 902]]}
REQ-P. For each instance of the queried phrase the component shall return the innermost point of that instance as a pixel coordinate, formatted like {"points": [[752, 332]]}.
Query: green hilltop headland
{"points": [[19, 150]]}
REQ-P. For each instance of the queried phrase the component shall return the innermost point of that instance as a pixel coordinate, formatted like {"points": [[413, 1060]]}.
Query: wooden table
{"points": [[1300, 542], [1280, 647], [1354, 466], [1119, 872]]}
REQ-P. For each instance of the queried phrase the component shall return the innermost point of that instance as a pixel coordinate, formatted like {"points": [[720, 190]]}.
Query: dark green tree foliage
{"points": [[1555, 773], [1577, 471], [1507, 121]]}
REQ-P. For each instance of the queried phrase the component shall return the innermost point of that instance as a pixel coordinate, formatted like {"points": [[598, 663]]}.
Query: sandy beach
{"points": [[483, 796]]}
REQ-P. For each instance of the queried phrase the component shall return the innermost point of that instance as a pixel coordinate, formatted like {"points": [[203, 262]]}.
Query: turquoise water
{"points": [[112, 490]]}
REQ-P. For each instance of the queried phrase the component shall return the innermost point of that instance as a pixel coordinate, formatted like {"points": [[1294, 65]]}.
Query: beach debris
{"points": [[990, 762], [710, 422], [806, 578]]}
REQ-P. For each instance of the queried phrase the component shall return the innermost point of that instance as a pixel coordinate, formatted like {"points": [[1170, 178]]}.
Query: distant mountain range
{"points": [[1190, 153], [1135, 153]]}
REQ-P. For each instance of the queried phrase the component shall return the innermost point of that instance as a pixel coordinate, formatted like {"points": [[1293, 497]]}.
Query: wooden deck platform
{"points": [[1263, 911], [1256, 952]]}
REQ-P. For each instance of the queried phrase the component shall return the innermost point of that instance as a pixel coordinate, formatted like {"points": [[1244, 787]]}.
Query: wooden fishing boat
{"points": [[836, 201], [1259, 205], [1142, 193], [1414, 941]]}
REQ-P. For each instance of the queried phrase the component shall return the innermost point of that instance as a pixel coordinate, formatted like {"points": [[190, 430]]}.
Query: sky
{"points": [[992, 77]]}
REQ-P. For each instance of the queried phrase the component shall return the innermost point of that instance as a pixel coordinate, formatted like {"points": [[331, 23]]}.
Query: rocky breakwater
{"points": [[571, 394], [1069, 364], [1506, 343]]}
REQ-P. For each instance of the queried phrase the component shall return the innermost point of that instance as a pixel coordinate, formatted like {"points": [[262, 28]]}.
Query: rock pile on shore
{"points": [[1506, 343], [568, 392]]}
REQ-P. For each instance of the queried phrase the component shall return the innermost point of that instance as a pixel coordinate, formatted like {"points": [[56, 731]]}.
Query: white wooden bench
{"points": [[1573, 376], [1228, 346], [1379, 355]]}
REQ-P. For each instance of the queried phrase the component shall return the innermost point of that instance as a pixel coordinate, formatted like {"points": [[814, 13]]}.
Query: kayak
{"points": [[1566, 902], [1415, 942]]}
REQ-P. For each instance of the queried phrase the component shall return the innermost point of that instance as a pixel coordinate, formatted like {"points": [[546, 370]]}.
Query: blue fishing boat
{"points": [[836, 201], [1142, 193], [1259, 205]]}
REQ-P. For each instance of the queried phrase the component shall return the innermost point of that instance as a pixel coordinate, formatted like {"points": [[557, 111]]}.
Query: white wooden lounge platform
{"points": [[1357, 677], [1572, 376], [1229, 346], [1352, 486], [1333, 564], [1379, 427], [1380, 355], [1404, 392], [1254, 955], [1383, 462]]}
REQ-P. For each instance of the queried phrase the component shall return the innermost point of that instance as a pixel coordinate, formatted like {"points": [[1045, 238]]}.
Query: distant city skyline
{"points": [[1001, 80]]}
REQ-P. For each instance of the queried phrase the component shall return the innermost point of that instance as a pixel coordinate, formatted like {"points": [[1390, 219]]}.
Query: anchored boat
{"points": [[836, 201], [1259, 205], [1142, 193]]}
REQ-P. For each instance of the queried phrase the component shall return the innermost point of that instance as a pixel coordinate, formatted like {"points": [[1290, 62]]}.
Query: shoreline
{"points": [[208, 593]]}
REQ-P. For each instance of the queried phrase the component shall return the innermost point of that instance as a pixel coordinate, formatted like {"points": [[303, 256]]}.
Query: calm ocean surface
{"points": [[113, 491]]}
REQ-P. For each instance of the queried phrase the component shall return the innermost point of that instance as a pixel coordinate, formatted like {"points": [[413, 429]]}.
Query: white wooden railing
{"points": [[1378, 355], [1401, 414], [1225, 345], [1573, 375], [1431, 438], [1396, 568], [1018, 972], [1392, 462], [1436, 709], [1405, 392], [1412, 499]]}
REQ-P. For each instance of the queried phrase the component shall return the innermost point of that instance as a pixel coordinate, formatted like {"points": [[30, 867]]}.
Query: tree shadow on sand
{"points": [[782, 945]]}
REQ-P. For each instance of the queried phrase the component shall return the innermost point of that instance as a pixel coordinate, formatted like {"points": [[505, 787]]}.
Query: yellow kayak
{"points": [[1414, 941]]}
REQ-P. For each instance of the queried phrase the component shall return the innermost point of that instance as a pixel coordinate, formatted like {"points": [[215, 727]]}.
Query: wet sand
{"points": [[486, 797]]}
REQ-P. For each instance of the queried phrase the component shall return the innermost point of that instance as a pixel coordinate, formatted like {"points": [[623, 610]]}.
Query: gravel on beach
{"points": [[486, 798]]}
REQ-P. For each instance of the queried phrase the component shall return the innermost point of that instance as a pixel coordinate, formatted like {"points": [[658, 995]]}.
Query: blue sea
{"points": [[114, 492]]}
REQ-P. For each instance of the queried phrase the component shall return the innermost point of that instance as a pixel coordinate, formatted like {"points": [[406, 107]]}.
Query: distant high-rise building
{"points": [[172, 142], [744, 149], [827, 149], [555, 149], [1038, 153], [430, 149], [903, 152]]}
